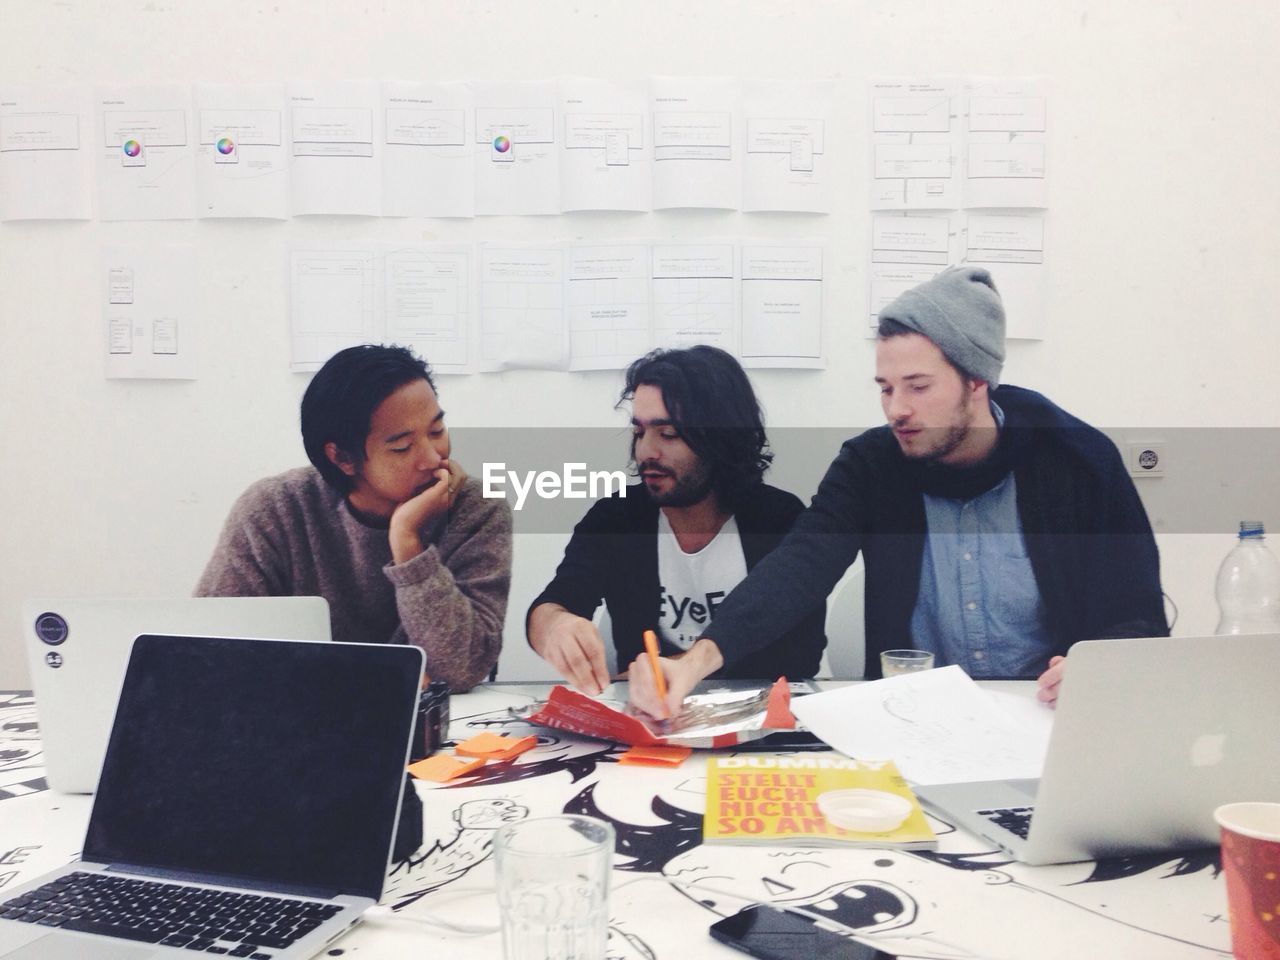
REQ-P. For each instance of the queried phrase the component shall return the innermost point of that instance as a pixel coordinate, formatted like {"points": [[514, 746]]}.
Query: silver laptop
{"points": [[247, 805], [77, 650], [1149, 737]]}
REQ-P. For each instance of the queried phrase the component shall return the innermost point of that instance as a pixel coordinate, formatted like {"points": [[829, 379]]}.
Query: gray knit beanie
{"points": [[960, 311]]}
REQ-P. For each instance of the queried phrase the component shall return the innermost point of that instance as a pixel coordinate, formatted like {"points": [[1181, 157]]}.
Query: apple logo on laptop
{"points": [[1207, 749]]}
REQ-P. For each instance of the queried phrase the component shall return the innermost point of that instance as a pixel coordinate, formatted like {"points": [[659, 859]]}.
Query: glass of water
{"points": [[894, 663], [553, 887]]}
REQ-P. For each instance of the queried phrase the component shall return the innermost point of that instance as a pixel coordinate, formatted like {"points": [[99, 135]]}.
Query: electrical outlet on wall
{"points": [[1146, 459]]}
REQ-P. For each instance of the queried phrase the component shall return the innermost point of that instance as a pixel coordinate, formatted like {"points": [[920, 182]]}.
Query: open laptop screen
{"points": [[279, 762]]}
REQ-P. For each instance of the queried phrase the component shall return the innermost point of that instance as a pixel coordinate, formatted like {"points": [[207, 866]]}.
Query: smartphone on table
{"points": [[773, 934]]}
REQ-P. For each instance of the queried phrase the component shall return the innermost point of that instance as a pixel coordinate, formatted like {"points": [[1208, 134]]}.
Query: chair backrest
{"points": [[846, 629], [604, 623]]}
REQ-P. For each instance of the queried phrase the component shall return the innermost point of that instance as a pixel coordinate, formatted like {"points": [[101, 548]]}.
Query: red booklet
{"points": [[719, 719]]}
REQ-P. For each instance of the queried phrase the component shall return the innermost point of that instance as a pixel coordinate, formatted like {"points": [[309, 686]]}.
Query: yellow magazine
{"points": [[811, 801]]}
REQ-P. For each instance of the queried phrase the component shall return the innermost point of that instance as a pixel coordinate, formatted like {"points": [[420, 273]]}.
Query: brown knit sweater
{"points": [[294, 535]]}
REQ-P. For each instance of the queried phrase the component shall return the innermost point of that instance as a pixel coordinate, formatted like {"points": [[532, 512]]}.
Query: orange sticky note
{"points": [[491, 746], [778, 715], [443, 767], [655, 756]]}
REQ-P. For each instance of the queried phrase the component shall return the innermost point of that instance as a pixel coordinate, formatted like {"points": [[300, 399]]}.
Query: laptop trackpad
{"points": [[69, 946]]}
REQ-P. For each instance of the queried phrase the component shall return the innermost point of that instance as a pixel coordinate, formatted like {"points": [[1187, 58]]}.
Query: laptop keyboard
{"points": [[1016, 820], [195, 918]]}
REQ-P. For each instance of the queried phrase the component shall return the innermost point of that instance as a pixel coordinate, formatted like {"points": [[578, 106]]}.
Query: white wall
{"points": [[1162, 241]]}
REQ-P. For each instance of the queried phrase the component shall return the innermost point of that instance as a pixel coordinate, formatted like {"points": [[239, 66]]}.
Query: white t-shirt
{"points": [[693, 584]]}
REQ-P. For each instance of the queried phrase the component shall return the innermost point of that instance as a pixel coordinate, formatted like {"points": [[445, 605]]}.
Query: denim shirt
{"points": [[979, 605]]}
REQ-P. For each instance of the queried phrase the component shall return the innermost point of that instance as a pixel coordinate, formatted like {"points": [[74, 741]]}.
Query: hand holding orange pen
{"points": [[651, 648]]}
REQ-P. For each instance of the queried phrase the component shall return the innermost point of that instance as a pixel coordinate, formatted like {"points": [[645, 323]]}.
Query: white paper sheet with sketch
{"points": [[609, 313], [147, 299], [786, 164], [333, 302], [517, 159], [782, 305], [146, 168], [916, 140], [697, 151], [606, 157], [694, 295], [522, 308], [938, 726], [429, 150], [906, 250], [45, 154], [427, 302], [1028, 714], [242, 159], [1008, 131], [334, 132], [1011, 246]]}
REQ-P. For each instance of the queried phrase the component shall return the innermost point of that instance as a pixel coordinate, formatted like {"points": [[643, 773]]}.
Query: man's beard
{"points": [[693, 487], [945, 440], [951, 437]]}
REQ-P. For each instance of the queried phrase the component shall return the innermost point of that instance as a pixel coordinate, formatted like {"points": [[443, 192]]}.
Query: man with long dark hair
{"points": [[384, 524], [664, 553]]}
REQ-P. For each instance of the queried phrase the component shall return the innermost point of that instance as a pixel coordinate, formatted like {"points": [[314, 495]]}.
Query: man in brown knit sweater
{"points": [[383, 525]]}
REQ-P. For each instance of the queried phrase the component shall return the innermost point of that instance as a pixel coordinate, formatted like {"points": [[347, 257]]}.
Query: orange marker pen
{"points": [[651, 648]]}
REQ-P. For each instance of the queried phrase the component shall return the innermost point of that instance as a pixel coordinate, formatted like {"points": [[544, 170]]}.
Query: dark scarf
{"points": [[964, 483]]}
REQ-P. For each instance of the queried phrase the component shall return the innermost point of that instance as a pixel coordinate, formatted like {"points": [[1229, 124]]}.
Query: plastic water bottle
{"points": [[1249, 585]]}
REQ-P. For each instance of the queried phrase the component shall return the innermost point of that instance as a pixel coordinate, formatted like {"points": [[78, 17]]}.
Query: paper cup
{"points": [[1251, 865]]}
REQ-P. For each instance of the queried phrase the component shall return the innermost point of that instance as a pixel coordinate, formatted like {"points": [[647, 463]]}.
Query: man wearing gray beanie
{"points": [[997, 529]]}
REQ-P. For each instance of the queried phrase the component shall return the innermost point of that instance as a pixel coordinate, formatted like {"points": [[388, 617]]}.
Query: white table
{"points": [[964, 894]]}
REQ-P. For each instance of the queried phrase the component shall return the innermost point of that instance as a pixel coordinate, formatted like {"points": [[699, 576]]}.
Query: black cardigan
{"points": [[613, 555], [1086, 532]]}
